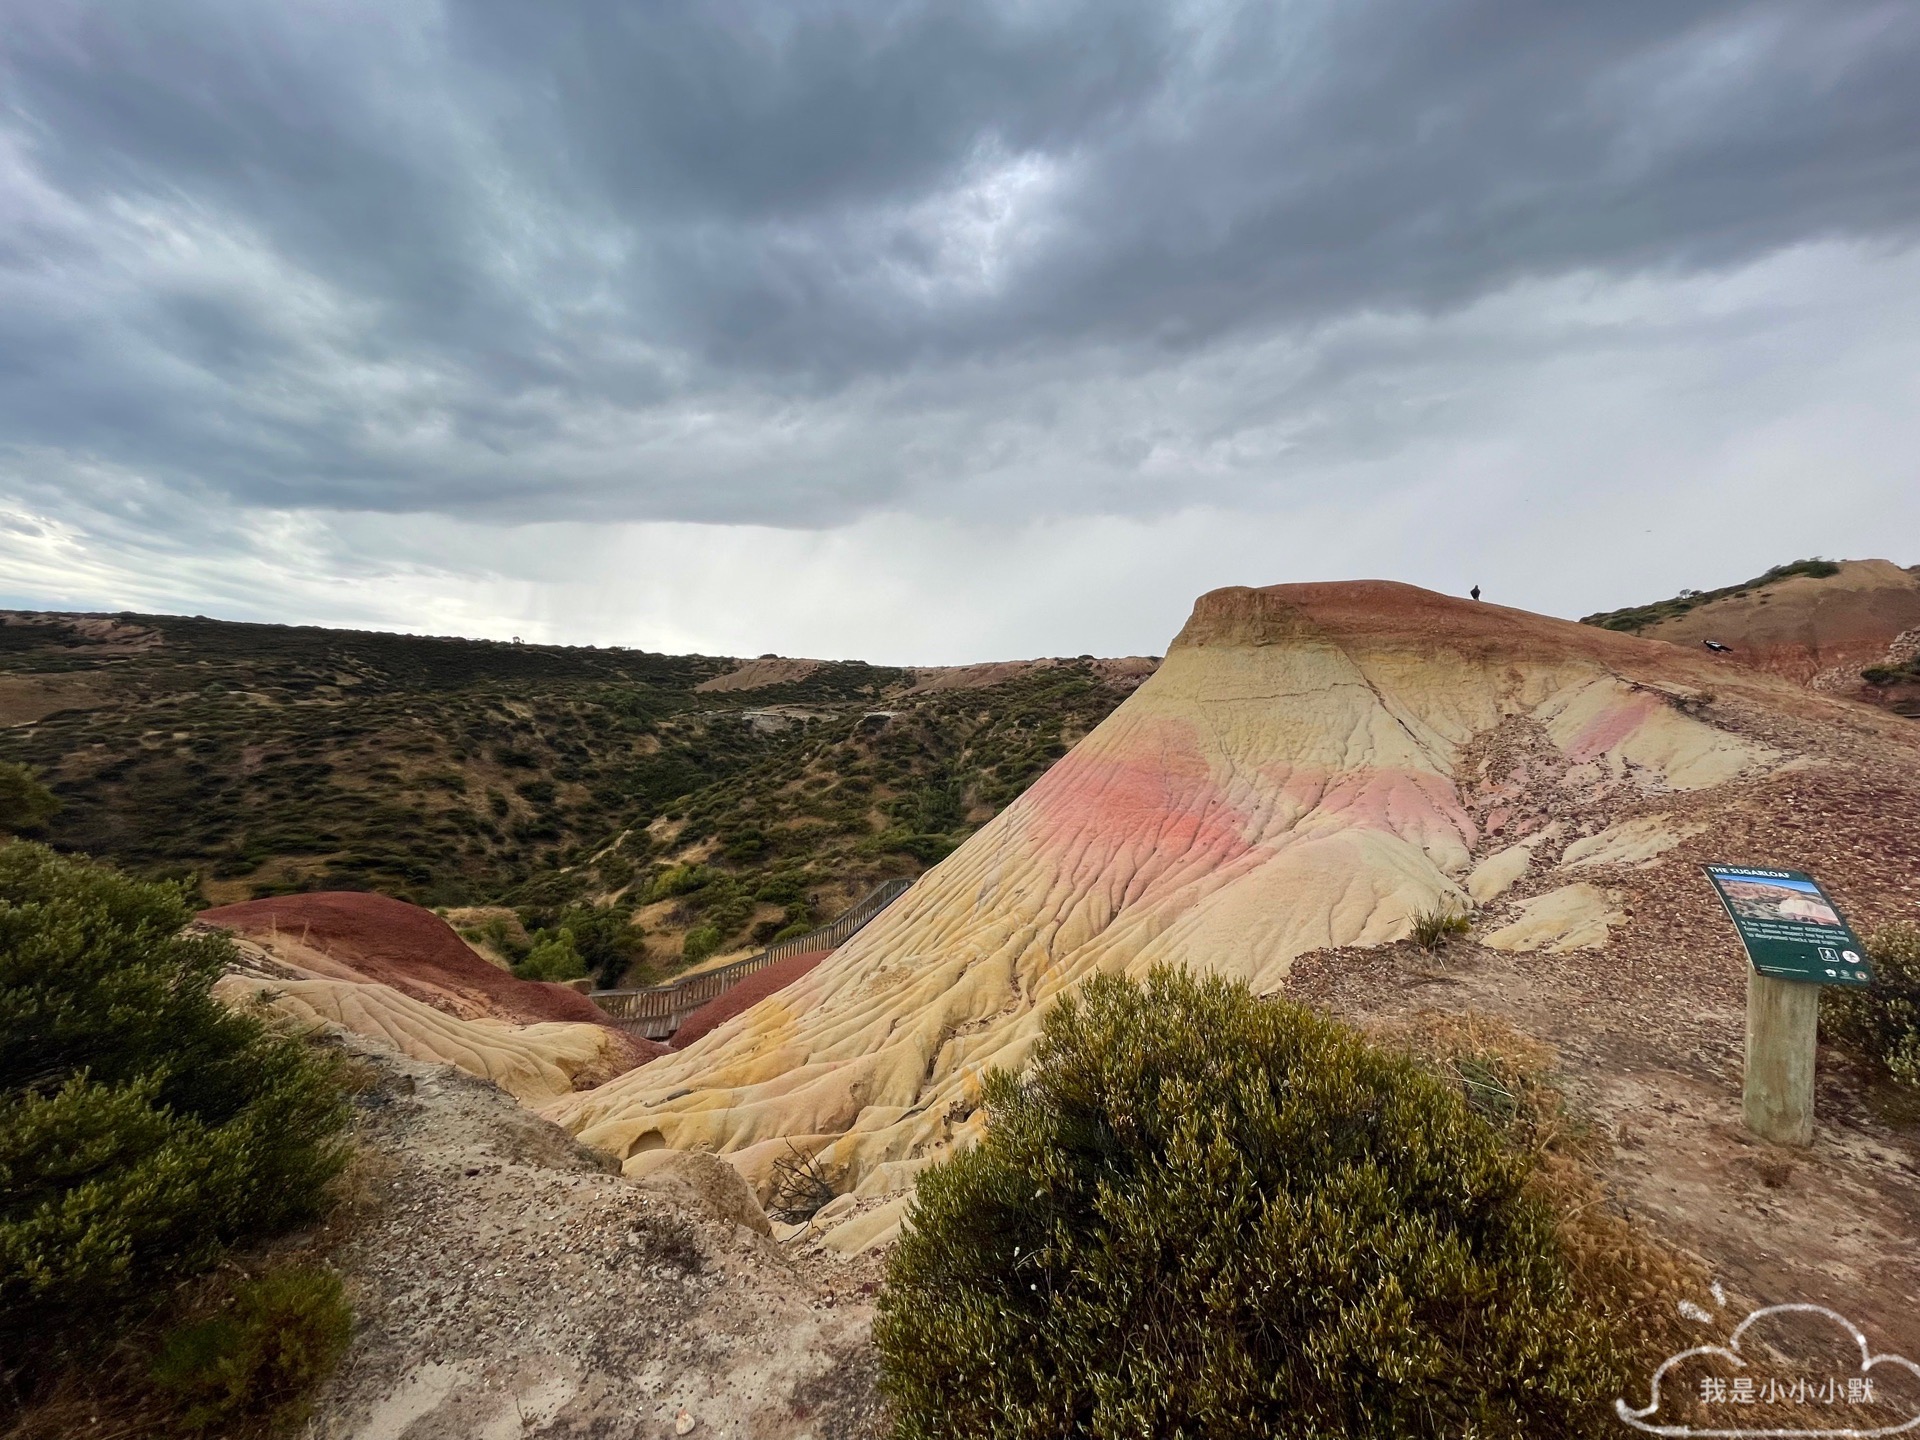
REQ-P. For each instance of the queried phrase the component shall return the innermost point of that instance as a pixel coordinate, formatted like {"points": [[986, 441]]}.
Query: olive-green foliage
{"points": [[25, 804], [443, 771], [452, 772], [504, 938], [1892, 674], [553, 956], [1882, 1020], [1435, 928], [143, 1125], [606, 939], [679, 880], [700, 942], [1203, 1213], [253, 1368]]}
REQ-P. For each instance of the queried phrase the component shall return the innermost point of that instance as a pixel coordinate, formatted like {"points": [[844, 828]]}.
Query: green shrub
{"points": [[143, 1124], [1892, 674], [1203, 1213], [1636, 618], [785, 887], [25, 804], [504, 937], [553, 956], [700, 942], [1883, 1019], [679, 880], [254, 1367], [932, 809], [1436, 927], [744, 846], [606, 939], [614, 870]]}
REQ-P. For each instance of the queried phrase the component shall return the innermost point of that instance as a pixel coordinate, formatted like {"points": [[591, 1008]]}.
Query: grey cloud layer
{"points": [[794, 262]]}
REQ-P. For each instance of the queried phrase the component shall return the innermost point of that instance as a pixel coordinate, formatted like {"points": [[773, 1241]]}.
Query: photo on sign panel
{"points": [[1754, 897]]}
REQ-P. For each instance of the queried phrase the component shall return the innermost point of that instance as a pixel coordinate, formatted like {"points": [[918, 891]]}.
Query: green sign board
{"points": [[1789, 926]]}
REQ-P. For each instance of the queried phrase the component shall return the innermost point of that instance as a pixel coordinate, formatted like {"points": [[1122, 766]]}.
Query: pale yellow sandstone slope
{"points": [[533, 1063], [1285, 782]]}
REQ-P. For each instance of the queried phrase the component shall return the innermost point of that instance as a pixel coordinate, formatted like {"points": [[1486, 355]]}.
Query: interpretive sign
{"points": [[1792, 931]]}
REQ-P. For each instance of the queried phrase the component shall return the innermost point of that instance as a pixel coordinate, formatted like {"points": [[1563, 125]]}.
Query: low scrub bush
{"points": [[1432, 930], [25, 804], [252, 1368], [143, 1125], [679, 880], [700, 942], [1205, 1213], [1892, 674], [1617, 1270], [606, 939], [552, 956], [1882, 1021]]}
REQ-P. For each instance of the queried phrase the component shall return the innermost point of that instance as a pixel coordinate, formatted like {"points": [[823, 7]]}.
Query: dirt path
{"points": [[506, 1284]]}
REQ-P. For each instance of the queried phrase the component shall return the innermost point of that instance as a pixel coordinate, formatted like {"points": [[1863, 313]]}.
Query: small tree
{"points": [[553, 957], [25, 804], [1203, 1213], [143, 1124], [607, 940]]}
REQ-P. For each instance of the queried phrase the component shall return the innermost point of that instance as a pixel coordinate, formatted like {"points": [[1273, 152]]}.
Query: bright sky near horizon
{"points": [[931, 333]]}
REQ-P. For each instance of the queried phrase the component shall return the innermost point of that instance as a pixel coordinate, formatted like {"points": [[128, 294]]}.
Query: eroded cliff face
{"points": [[1312, 766]]}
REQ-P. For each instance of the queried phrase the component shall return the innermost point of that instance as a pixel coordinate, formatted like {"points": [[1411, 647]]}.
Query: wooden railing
{"points": [[656, 1011]]}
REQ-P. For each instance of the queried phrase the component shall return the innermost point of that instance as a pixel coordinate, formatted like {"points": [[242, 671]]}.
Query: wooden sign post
{"points": [[1796, 941], [1783, 1024]]}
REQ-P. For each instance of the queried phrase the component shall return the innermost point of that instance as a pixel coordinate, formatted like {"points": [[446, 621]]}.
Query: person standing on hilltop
{"points": [[1474, 592]]}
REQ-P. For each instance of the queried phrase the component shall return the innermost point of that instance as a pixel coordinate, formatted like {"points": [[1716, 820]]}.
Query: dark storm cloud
{"points": [[726, 260]]}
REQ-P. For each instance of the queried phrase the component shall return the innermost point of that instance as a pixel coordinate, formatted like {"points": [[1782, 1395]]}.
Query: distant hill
{"points": [[1848, 627], [705, 793]]}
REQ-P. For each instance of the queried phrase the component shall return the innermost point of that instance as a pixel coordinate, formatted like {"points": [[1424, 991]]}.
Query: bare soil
{"points": [[507, 1281]]}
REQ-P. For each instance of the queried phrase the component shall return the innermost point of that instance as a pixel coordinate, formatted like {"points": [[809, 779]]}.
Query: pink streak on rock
{"points": [[1611, 726], [1156, 808], [1416, 805], [1156, 802]]}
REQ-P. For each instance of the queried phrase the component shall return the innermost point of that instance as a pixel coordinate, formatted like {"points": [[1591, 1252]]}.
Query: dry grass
{"points": [[1435, 928]]}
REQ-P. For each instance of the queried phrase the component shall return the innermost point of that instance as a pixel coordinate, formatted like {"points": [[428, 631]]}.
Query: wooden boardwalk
{"points": [[655, 1011]]}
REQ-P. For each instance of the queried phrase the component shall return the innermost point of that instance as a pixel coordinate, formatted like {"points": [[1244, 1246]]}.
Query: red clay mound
{"points": [[750, 991], [349, 935]]}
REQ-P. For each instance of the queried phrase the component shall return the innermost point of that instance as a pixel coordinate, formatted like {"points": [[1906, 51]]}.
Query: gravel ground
{"points": [[508, 1281]]}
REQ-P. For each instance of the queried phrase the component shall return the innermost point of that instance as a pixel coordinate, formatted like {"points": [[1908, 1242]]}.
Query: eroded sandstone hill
{"points": [[389, 970], [1313, 766]]}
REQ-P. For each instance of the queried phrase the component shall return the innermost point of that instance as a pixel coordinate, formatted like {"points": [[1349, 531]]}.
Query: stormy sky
{"points": [[940, 332]]}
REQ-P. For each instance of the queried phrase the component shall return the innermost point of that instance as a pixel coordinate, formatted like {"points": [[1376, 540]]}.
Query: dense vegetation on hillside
{"points": [[1636, 618], [261, 759]]}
